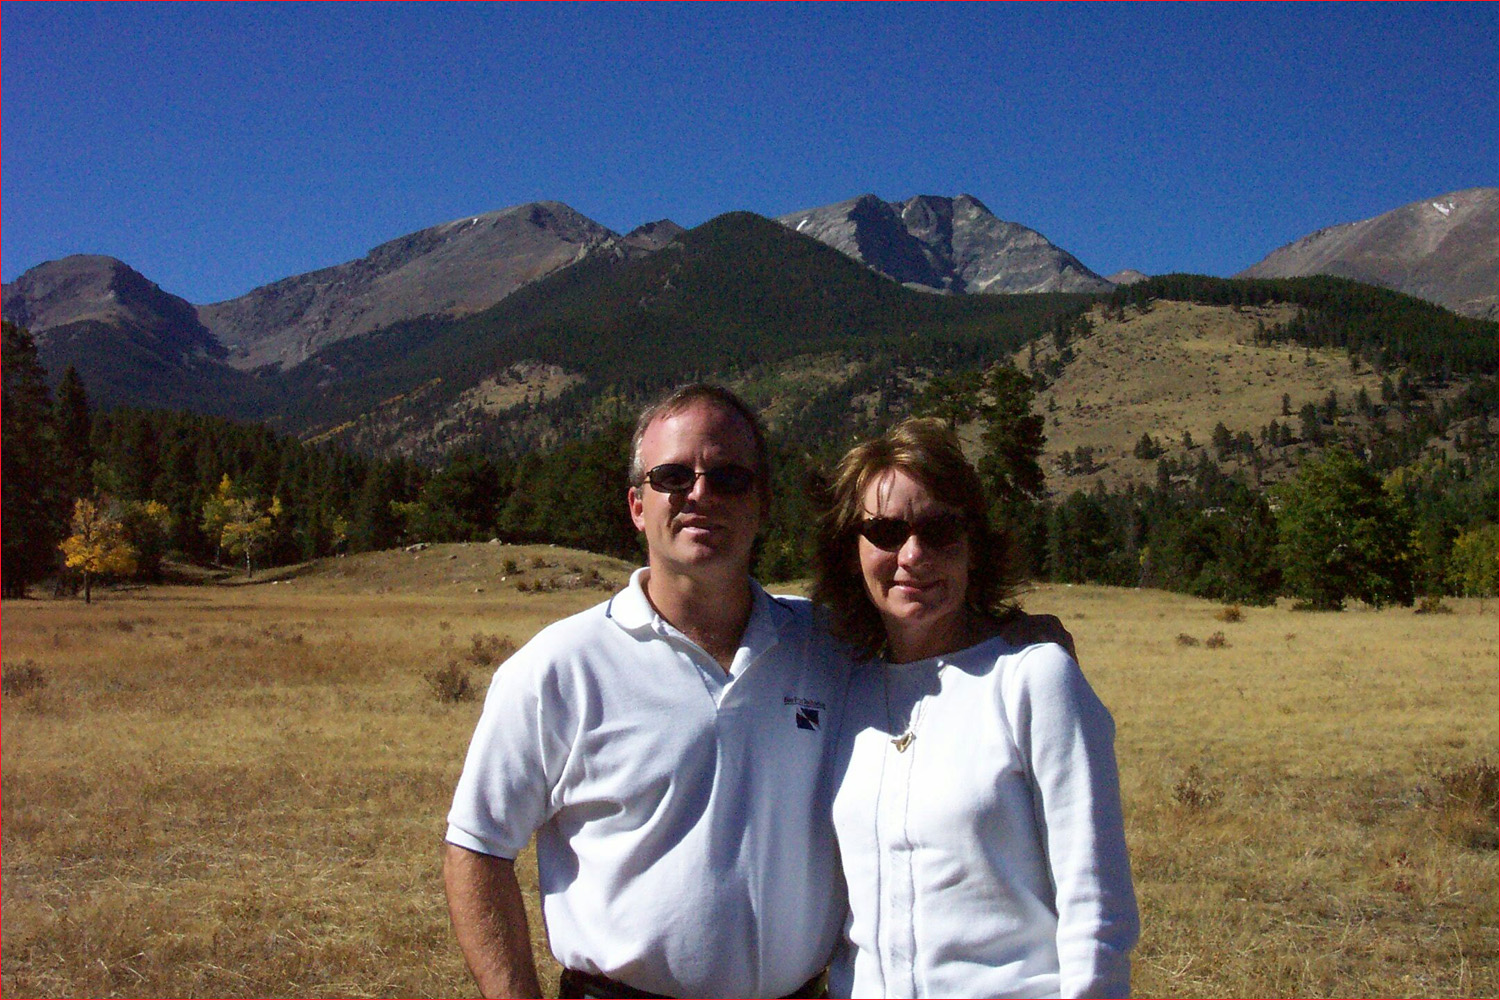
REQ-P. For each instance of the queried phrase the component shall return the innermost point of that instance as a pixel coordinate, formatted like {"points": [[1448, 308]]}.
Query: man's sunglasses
{"points": [[890, 533], [727, 480]]}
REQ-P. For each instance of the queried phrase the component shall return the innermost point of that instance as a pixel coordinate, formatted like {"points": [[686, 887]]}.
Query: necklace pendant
{"points": [[903, 741]]}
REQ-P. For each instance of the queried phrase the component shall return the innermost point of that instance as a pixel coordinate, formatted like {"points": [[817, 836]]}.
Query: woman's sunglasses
{"points": [[727, 480], [890, 533]]}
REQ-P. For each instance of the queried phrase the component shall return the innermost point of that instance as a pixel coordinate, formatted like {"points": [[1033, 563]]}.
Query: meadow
{"points": [[239, 788]]}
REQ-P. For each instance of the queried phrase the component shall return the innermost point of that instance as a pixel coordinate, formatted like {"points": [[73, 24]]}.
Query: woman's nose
{"points": [[912, 550]]}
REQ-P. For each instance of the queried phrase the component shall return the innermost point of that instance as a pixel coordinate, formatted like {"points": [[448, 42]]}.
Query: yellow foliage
{"points": [[98, 544], [158, 512], [240, 524]]}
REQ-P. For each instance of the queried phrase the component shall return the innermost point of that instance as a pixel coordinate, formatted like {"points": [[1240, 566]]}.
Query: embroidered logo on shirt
{"points": [[807, 713]]}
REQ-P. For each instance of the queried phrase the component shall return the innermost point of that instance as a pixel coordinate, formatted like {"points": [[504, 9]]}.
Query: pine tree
{"points": [[1223, 441], [34, 511], [1146, 448], [954, 398], [1010, 466], [1342, 535], [375, 525], [1312, 426], [1013, 438], [75, 452]]}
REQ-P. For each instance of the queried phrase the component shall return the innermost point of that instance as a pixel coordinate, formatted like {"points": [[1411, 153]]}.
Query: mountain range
{"points": [[411, 347], [454, 269]]}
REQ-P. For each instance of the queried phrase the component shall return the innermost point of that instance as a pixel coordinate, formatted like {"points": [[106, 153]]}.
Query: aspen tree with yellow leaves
{"points": [[239, 525], [98, 545]]}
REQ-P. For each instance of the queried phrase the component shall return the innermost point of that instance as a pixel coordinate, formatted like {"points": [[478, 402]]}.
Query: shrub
{"points": [[1465, 800], [1433, 606], [1194, 790], [1183, 639], [489, 650], [22, 679], [1216, 641], [510, 566], [451, 684], [1233, 613]]}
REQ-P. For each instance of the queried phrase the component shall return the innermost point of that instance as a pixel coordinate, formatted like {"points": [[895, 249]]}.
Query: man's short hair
{"points": [[680, 399]]}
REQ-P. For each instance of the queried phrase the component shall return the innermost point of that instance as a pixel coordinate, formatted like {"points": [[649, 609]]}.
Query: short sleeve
{"points": [[504, 792]]}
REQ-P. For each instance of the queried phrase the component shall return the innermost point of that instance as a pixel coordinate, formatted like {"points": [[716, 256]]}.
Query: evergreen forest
{"points": [[1386, 500]]}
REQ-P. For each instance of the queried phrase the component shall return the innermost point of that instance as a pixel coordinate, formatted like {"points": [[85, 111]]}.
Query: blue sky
{"points": [[217, 147]]}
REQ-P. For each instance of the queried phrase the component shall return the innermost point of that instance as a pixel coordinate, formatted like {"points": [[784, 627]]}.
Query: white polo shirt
{"points": [[682, 816]]}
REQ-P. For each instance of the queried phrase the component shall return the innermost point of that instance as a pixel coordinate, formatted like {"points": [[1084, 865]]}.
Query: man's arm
{"points": [[489, 919], [1027, 630]]}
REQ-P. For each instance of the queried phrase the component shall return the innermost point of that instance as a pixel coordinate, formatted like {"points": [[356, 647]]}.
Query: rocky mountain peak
{"points": [[969, 203], [451, 269], [945, 244], [86, 288], [930, 220], [653, 236]]}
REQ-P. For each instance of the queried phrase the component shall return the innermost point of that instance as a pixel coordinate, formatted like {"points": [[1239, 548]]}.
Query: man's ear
{"points": [[637, 508]]}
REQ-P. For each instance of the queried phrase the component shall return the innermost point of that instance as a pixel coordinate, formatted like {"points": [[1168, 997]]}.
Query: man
{"points": [[667, 747]]}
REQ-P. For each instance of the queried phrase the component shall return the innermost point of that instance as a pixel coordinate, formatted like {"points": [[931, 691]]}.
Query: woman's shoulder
{"points": [[1039, 665], [1045, 681], [1004, 654]]}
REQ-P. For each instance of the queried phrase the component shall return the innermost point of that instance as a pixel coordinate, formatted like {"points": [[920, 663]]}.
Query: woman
{"points": [[978, 811]]}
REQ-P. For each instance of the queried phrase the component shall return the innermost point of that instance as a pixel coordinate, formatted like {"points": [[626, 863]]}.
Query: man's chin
{"points": [[706, 549]]}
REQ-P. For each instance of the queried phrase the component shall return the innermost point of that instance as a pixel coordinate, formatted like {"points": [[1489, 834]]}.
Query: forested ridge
{"points": [[1386, 328], [733, 299], [554, 469]]}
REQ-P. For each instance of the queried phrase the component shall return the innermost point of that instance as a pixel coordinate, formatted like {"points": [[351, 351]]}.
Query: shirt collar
{"points": [[631, 610]]}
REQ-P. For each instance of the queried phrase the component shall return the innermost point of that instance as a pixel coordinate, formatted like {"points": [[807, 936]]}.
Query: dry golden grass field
{"points": [[239, 789]]}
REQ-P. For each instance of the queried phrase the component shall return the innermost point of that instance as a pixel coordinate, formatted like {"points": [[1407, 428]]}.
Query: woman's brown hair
{"points": [[928, 451]]}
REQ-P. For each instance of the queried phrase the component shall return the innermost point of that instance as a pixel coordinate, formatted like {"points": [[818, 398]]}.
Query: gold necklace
{"points": [[913, 719], [971, 627]]}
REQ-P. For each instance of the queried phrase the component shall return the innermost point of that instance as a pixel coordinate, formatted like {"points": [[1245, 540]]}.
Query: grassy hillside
{"points": [[1178, 367], [240, 790]]}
